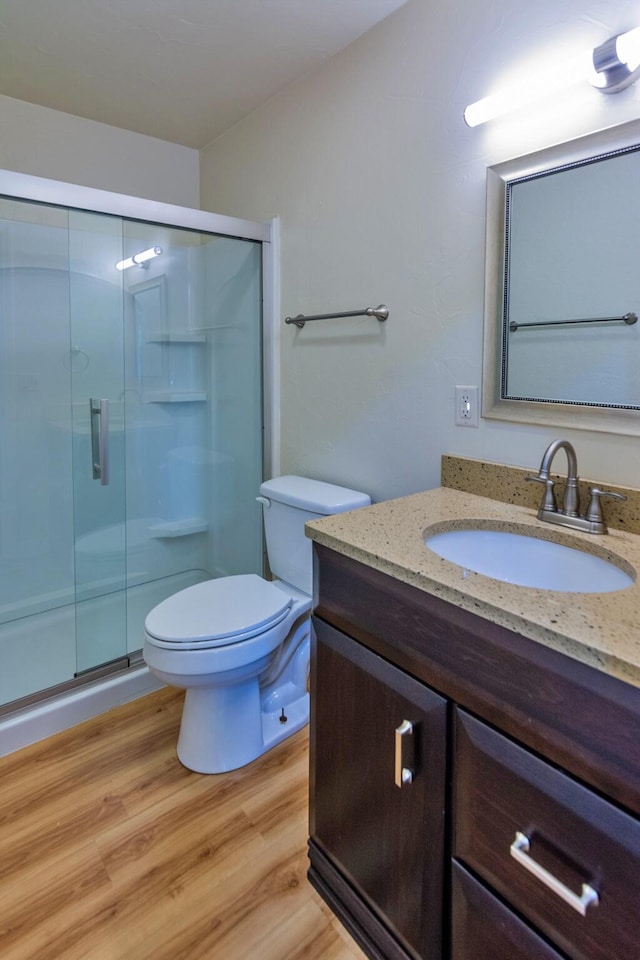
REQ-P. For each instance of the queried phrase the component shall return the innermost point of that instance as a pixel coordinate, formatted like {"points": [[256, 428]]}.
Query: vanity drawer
{"points": [[482, 927], [536, 837]]}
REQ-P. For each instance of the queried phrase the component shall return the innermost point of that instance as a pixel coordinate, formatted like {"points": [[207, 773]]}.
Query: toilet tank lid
{"points": [[313, 495]]}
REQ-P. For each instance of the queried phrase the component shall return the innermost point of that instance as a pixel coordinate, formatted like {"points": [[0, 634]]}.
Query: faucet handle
{"points": [[548, 497], [594, 512]]}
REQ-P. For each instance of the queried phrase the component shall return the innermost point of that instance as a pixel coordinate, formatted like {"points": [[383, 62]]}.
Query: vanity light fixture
{"points": [[611, 67], [616, 62], [139, 259]]}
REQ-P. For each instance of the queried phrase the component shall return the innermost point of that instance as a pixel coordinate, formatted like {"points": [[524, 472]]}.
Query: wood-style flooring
{"points": [[111, 850]]}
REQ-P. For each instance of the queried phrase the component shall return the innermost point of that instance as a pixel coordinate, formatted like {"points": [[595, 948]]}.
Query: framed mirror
{"points": [[562, 291]]}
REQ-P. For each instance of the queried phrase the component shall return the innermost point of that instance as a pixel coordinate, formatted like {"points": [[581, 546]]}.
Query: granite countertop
{"points": [[600, 629]]}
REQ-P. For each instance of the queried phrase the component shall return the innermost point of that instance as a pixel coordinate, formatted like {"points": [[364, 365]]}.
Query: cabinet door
{"points": [[387, 840], [561, 855], [483, 927]]}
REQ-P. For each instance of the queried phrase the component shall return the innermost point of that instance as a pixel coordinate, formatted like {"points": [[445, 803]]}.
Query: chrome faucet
{"points": [[569, 515]]}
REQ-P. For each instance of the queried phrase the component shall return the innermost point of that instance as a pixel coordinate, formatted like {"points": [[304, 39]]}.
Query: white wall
{"points": [[380, 189], [48, 143]]}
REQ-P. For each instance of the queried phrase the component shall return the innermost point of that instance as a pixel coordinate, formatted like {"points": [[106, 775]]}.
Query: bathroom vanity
{"points": [[475, 746]]}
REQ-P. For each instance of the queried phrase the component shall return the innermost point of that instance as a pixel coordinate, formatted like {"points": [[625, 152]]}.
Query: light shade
{"points": [[628, 48]]}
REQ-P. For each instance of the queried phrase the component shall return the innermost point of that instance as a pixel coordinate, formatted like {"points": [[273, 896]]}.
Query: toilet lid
{"points": [[219, 611]]}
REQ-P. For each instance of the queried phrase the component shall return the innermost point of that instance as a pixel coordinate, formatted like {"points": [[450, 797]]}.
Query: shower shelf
{"points": [[178, 528], [182, 396]]}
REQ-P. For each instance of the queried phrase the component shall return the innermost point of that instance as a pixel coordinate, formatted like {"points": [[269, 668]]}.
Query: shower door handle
{"points": [[99, 418]]}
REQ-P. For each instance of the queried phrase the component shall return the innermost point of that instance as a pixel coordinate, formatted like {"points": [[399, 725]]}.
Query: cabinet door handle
{"points": [[402, 774], [519, 850]]}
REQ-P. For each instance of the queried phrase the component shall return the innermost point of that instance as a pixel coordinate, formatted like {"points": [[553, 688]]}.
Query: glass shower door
{"points": [[130, 431], [193, 387], [96, 353], [37, 645]]}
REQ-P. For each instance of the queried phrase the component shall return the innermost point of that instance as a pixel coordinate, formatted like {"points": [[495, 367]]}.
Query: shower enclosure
{"points": [[131, 422]]}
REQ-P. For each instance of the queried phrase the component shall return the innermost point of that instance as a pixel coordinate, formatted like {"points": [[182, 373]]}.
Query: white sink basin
{"points": [[528, 561]]}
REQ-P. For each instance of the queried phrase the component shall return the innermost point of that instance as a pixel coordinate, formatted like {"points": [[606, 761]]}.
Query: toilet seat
{"points": [[217, 613]]}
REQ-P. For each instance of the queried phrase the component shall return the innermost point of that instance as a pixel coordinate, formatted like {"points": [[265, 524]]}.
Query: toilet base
{"points": [[210, 743], [274, 730]]}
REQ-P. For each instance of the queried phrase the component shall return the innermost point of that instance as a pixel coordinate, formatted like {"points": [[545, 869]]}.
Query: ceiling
{"points": [[181, 70]]}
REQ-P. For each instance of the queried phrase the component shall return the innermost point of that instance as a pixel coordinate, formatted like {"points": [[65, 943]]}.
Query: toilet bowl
{"points": [[240, 645]]}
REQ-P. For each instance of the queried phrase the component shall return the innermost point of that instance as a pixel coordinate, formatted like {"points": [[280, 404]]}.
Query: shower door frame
{"points": [[19, 186]]}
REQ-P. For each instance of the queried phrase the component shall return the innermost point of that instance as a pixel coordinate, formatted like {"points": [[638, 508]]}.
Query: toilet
{"points": [[240, 645]]}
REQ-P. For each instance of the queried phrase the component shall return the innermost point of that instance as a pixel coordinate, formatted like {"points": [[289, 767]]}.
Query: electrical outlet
{"points": [[467, 406]]}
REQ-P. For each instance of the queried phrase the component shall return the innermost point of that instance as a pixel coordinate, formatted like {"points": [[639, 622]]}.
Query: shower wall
{"points": [[175, 347]]}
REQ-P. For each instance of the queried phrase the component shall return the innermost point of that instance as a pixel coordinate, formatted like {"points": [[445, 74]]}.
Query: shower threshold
{"points": [[92, 692]]}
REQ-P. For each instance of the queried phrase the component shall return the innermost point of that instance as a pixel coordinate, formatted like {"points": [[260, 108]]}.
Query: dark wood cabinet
{"points": [[554, 850], [483, 928], [379, 786], [512, 740]]}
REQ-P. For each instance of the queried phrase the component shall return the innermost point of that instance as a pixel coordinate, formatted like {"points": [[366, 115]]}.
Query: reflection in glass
{"points": [[572, 253]]}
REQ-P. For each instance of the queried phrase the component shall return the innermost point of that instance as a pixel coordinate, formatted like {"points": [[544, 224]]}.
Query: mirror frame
{"points": [[546, 412]]}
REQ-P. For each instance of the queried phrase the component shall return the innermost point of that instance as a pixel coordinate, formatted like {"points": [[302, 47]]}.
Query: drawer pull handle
{"points": [[402, 774], [519, 849]]}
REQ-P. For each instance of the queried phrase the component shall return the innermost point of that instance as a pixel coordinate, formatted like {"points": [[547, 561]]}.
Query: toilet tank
{"points": [[288, 502]]}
